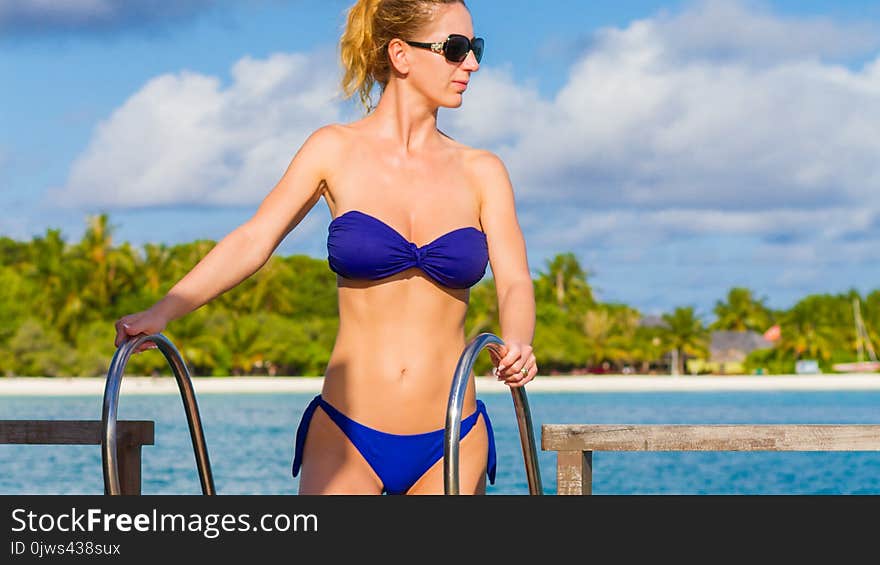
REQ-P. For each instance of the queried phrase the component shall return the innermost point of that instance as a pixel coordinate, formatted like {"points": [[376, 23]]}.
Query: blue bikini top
{"points": [[361, 246]]}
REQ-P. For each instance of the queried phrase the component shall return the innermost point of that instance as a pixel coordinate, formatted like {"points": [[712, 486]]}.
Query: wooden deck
{"points": [[575, 443], [131, 434]]}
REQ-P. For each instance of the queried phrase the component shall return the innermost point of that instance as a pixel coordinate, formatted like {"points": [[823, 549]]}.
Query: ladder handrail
{"points": [[109, 438], [452, 435]]}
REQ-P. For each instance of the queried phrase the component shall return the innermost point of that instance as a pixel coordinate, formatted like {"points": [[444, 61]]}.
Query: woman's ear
{"points": [[397, 54]]}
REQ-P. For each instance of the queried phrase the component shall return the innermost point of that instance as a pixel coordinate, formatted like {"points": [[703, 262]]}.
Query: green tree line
{"points": [[59, 301]]}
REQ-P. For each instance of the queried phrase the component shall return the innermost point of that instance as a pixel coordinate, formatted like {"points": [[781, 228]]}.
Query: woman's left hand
{"points": [[518, 365]]}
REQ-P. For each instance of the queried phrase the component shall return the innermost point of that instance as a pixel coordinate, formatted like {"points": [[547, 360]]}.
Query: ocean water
{"points": [[250, 439]]}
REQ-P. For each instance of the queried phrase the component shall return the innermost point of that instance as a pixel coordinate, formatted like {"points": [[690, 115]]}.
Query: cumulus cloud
{"points": [[500, 109], [631, 128], [747, 31], [722, 125], [649, 119], [187, 138], [26, 17], [652, 121], [721, 122]]}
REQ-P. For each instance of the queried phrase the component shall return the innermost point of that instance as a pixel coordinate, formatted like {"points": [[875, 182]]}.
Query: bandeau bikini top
{"points": [[361, 246]]}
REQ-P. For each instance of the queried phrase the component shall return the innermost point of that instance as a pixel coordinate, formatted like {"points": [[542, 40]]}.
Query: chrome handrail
{"points": [[109, 437], [452, 436]]}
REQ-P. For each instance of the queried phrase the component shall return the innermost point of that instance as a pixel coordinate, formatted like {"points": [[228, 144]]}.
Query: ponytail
{"points": [[359, 51]]}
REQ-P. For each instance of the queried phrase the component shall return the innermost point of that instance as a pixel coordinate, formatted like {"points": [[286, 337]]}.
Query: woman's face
{"points": [[442, 81]]}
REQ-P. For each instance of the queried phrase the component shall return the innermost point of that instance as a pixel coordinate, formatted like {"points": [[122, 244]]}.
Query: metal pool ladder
{"points": [[452, 437], [109, 437]]}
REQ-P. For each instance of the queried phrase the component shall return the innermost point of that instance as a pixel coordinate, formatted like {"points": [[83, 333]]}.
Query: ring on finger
{"points": [[524, 370]]}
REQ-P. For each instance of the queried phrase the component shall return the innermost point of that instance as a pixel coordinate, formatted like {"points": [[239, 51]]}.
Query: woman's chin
{"points": [[453, 102]]}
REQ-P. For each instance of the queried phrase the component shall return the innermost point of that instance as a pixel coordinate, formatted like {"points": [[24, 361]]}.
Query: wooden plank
{"points": [[130, 469], [574, 472], [73, 432], [713, 437]]}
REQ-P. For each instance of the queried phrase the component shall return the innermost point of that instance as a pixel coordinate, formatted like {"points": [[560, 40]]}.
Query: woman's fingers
{"points": [[525, 360], [523, 379], [497, 357], [121, 332], [130, 326], [513, 352], [517, 357], [142, 347], [521, 371], [146, 346]]}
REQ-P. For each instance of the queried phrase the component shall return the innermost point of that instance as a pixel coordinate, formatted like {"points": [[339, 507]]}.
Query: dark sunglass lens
{"points": [[478, 48], [457, 47]]}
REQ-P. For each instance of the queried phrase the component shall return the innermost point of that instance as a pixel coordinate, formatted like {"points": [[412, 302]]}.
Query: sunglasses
{"points": [[455, 48]]}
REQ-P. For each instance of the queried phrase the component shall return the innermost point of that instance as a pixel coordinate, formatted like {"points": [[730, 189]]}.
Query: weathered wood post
{"points": [[132, 435]]}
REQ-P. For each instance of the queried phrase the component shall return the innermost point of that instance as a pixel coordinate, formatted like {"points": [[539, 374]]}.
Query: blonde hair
{"points": [[371, 25]]}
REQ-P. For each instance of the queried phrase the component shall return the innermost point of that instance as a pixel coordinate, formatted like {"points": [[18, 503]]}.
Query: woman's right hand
{"points": [[148, 322]]}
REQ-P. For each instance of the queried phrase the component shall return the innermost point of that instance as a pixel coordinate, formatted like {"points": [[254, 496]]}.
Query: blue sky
{"points": [[677, 148]]}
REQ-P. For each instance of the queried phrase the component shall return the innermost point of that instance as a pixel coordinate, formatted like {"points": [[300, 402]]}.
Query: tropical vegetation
{"points": [[59, 299]]}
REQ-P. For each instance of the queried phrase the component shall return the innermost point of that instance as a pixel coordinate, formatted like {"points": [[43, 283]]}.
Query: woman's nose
{"points": [[470, 62]]}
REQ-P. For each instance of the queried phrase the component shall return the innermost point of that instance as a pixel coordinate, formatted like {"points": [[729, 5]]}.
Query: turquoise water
{"points": [[250, 442]]}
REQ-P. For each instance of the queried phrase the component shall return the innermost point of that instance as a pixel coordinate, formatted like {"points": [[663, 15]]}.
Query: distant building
{"points": [[728, 349]]}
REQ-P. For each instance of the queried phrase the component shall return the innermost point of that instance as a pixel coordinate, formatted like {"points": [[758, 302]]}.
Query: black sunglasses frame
{"points": [[440, 47]]}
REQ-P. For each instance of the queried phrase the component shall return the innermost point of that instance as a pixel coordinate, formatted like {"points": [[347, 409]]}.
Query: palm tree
{"points": [[565, 281], [685, 334], [741, 312], [609, 331], [13, 252], [110, 270], [156, 268], [50, 269], [808, 329], [647, 346]]}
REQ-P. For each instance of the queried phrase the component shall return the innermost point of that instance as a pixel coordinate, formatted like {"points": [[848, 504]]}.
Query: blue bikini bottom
{"points": [[398, 460]]}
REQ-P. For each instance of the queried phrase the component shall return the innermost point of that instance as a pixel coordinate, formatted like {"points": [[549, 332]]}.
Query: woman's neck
{"points": [[406, 119]]}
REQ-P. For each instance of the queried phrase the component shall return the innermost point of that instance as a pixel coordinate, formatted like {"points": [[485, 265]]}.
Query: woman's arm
{"points": [[510, 267], [246, 249]]}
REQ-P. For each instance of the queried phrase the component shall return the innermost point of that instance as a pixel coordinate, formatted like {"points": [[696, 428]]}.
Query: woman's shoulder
{"points": [[486, 172], [482, 163], [329, 133], [327, 142], [472, 156]]}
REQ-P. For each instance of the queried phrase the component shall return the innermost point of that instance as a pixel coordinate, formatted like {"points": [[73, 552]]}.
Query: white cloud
{"points": [[691, 152], [654, 126], [186, 138], [499, 109], [644, 122], [640, 132], [746, 30], [722, 123]]}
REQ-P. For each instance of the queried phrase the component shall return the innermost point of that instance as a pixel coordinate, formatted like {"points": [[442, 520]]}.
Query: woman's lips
{"points": [[462, 84]]}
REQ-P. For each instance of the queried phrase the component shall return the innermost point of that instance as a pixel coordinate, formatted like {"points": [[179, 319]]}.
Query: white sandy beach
{"points": [[39, 386]]}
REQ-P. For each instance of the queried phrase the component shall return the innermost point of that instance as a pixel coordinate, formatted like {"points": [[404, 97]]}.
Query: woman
{"points": [[416, 218]]}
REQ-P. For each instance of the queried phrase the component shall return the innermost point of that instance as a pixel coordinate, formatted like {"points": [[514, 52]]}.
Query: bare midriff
{"points": [[396, 351]]}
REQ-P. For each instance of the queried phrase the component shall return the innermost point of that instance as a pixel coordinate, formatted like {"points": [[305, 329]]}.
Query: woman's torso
{"points": [[399, 337]]}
